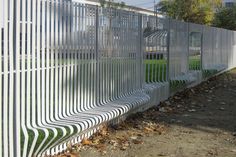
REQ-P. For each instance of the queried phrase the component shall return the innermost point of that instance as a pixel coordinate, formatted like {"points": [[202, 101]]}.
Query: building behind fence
{"points": [[67, 68]]}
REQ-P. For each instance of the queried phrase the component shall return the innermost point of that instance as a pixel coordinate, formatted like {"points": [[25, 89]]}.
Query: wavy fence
{"points": [[67, 68]]}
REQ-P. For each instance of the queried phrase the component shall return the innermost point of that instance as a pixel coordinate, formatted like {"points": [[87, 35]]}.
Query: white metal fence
{"points": [[67, 68]]}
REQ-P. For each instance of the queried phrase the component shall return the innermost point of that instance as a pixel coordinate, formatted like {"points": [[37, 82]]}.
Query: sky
{"points": [[147, 4]]}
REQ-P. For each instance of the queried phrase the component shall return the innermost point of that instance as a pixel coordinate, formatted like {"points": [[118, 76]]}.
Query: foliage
{"points": [[226, 18], [197, 11]]}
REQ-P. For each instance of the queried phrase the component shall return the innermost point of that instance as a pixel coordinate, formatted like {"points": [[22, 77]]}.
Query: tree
{"points": [[196, 11], [226, 18]]}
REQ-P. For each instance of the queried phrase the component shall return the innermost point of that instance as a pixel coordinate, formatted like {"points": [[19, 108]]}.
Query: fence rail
{"points": [[66, 68]]}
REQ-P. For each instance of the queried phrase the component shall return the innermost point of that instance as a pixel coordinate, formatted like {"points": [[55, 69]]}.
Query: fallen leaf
{"points": [[133, 137], [100, 147], [168, 103], [104, 152], [96, 141], [69, 147], [177, 98], [234, 150], [74, 155], [123, 148], [162, 154], [162, 109], [222, 108], [124, 145], [113, 143], [85, 141], [179, 106], [192, 110], [147, 129], [137, 141], [192, 90], [223, 103], [70, 155]]}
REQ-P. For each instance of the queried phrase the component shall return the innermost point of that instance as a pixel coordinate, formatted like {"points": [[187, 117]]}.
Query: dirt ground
{"points": [[198, 122]]}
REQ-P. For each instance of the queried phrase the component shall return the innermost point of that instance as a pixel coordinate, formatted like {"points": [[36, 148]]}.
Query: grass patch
{"points": [[156, 69], [41, 137], [209, 73], [175, 85], [195, 62]]}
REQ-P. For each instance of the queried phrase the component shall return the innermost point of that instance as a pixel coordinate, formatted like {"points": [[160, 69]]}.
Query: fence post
{"points": [[16, 47], [221, 46], [201, 59], [96, 31], [1, 50], [10, 76], [212, 48], [97, 55], [141, 54], [168, 53], [188, 55]]}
